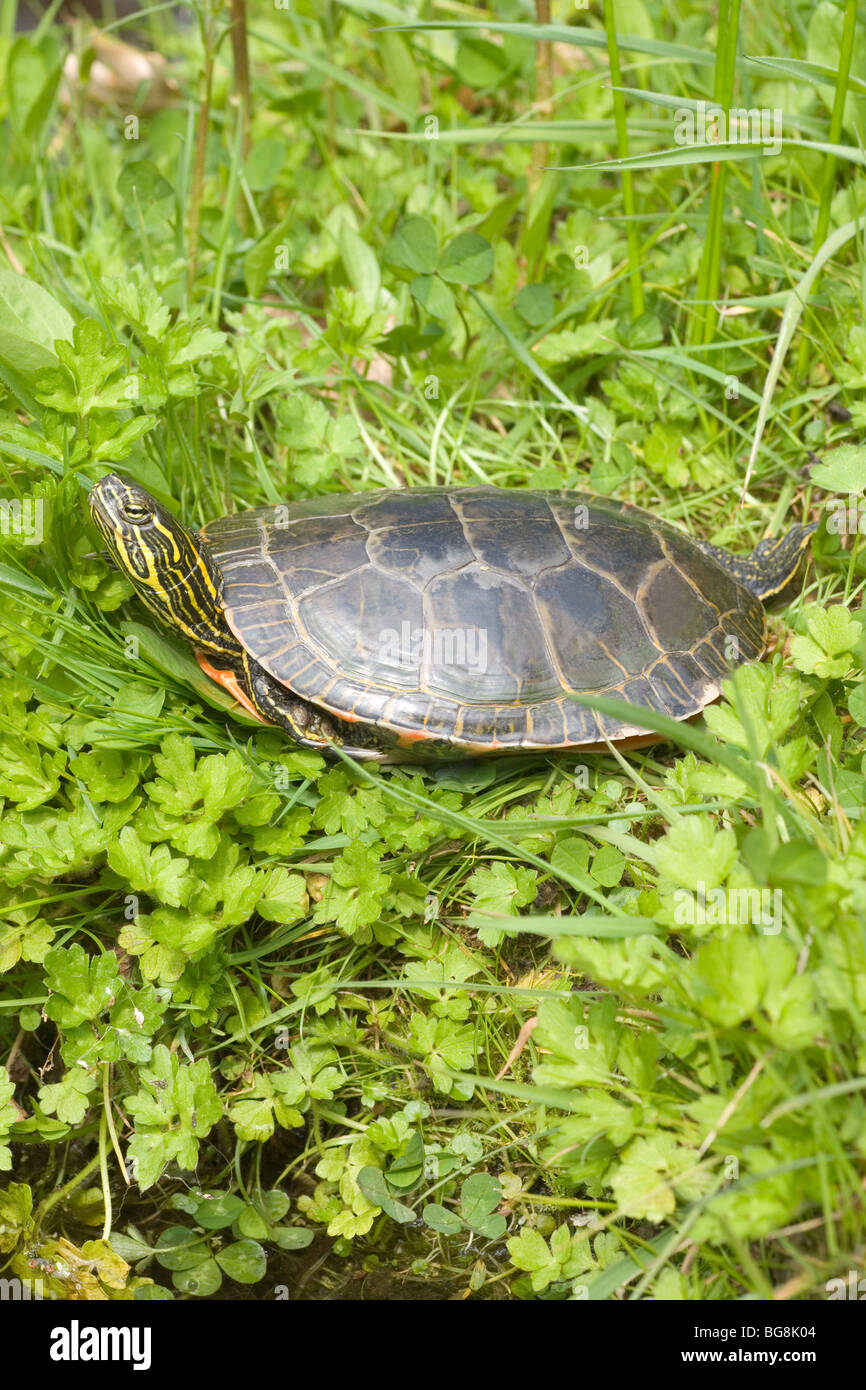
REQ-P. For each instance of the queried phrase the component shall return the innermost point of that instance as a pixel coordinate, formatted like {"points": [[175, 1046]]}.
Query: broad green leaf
{"points": [[535, 304], [30, 321], [270, 255], [360, 265], [414, 246], [440, 1219], [215, 1215], [842, 470], [434, 295], [245, 1261], [180, 1248], [693, 852], [467, 260], [479, 1197], [374, 1187], [69, 1099], [201, 1281]]}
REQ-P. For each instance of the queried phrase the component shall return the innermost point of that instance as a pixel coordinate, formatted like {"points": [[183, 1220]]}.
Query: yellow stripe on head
{"points": [[169, 566]]}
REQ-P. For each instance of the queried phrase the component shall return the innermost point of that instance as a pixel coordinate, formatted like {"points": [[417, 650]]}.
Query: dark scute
{"points": [[683, 675], [515, 533], [505, 723], [252, 586], [672, 610], [492, 620], [332, 504], [677, 700], [355, 700], [710, 657], [483, 504], [546, 722], [585, 726], [619, 547], [409, 507], [588, 621], [289, 660], [368, 623], [703, 571], [263, 626], [316, 550], [420, 551], [437, 716], [235, 534], [749, 628]]}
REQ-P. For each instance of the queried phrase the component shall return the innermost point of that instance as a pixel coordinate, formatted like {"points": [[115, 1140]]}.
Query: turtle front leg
{"points": [[228, 678], [273, 703]]}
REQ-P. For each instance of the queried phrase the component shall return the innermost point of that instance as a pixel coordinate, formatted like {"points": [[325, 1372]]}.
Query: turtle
{"points": [[429, 623]]}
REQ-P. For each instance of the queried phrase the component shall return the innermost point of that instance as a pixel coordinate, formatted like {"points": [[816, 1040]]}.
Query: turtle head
{"points": [[168, 565]]}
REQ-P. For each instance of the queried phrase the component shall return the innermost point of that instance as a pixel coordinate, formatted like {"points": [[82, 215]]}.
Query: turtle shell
{"points": [[468, 616]]}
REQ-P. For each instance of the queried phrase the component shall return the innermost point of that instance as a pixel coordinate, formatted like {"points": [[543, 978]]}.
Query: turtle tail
{"points": [[773, 564]]}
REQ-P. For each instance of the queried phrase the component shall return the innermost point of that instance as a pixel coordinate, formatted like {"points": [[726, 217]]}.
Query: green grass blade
{"points": [[796, 302], [637, 296]]}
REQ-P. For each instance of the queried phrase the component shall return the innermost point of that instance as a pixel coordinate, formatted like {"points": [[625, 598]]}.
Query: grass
{"points": [[315, 1061]]}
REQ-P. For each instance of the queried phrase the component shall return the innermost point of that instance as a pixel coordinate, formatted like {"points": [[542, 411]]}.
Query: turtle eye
{"points": [[135, 512]]}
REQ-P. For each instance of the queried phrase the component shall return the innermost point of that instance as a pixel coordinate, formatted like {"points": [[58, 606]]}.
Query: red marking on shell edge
{"points": [[410, 736], [229, 681]]}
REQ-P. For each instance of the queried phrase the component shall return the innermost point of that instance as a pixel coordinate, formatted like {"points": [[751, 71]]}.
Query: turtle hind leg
{"points": [[773, 565]]}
